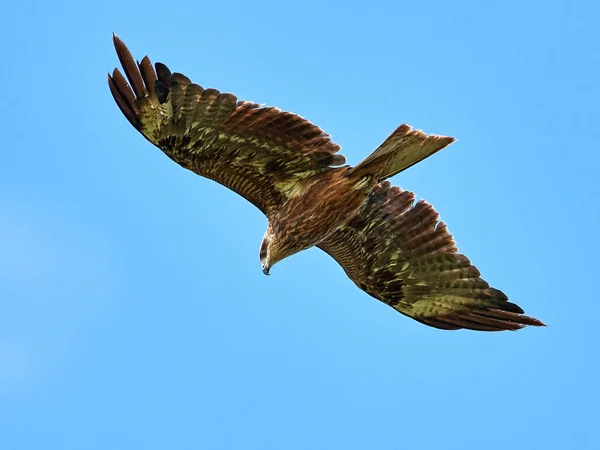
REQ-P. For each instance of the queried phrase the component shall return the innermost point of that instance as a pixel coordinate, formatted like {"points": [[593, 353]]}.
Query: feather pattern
{"points": [[257, 151], [398, 252]]}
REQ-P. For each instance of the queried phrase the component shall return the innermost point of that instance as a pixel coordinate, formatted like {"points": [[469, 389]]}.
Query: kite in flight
{"points": [[392, 248]]}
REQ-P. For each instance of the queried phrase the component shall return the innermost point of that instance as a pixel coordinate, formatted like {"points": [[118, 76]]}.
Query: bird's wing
{"points": [[258, 152], [398, 252]]}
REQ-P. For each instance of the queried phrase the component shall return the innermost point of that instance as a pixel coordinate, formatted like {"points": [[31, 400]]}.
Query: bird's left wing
{"points": [[398, 252], [258, 152]]}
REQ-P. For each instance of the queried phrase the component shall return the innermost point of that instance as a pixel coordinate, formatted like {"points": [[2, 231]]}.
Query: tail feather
{"points": [[401, 150]]}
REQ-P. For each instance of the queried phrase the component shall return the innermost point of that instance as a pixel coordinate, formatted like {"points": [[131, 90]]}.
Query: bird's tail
{"points": [[402, 149]]}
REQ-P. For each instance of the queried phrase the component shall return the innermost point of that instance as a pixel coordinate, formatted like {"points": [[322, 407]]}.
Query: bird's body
{"points": [[391, 247], [318, 207]]}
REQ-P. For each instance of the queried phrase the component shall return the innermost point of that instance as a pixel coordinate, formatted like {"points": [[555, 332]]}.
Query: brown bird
{"points": [[394, 249]]}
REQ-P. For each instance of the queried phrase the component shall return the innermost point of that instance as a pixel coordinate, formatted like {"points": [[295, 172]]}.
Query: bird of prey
{"points": [[391, 247]]}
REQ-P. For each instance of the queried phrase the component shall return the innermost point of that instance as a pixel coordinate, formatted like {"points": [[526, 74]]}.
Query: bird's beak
{"points": [[265, 269]]}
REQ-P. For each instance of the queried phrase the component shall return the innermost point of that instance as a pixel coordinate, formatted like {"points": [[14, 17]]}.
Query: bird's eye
{"points": [[263, 250]]}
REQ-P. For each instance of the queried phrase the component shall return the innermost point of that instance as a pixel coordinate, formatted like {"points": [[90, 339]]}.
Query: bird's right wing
{"points": [[259, 152], [398, 252]]}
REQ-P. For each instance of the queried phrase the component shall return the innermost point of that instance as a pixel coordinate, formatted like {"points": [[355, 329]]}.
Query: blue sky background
{"points": [[133, 311]]}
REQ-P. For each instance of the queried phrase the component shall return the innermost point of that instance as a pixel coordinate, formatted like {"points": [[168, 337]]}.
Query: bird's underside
{"points": [[390, 246]]}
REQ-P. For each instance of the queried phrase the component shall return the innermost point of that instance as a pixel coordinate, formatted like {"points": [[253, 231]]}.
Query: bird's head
{"points": [[272, 250], [267, 253]]}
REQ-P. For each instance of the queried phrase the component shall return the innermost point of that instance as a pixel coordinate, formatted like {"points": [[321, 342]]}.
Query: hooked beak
{"points": [[265, 269]]}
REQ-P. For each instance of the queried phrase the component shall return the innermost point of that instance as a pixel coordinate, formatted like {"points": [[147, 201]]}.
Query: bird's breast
{"points": [[323, 204]]}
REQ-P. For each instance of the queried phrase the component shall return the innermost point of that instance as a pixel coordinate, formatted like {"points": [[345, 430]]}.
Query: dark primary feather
{"points": [[398, 252], [259, 152]]}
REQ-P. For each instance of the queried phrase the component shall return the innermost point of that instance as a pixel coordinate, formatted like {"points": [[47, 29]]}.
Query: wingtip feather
{"points": [[122, 101], [130, 67]]}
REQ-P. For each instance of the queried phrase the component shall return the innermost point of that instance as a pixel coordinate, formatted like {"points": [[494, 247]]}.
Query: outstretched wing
{"points": [[398, 252], [258, 152]]}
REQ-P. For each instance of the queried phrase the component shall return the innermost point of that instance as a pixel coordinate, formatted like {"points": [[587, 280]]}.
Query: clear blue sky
{"points": [[134, 314]]}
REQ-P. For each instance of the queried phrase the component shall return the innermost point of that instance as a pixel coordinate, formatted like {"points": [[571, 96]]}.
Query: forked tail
{"points": [[402, 149]]}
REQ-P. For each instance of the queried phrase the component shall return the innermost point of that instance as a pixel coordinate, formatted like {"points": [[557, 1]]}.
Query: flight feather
{"points": [[257, 151]]}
